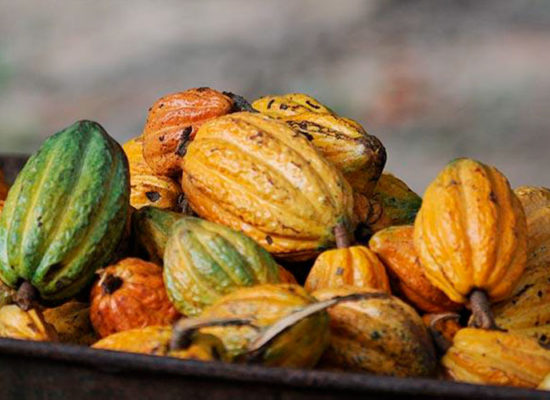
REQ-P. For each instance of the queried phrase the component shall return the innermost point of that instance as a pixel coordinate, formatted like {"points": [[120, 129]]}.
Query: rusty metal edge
{"points": [[118, 362]]}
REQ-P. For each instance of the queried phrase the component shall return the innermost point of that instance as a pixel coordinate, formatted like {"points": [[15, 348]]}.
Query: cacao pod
{"points": [[66, 212], [151, 229], [285, 276], [496, 358], [147, 188], [383, 336], [72, 323], [392, 203], [289, 105], [172, 123], [536, 204], [300, 346], [154, 340], [471, 236], [527, 312], [4, 187], [129, 295], [204, 261], [258, 176], [353, 266], [395, 248], [25, 325]]}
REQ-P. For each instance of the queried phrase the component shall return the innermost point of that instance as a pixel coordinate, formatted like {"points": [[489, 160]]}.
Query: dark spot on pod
{"points": [[270, 103], [239, 103], [543, 338], [269, 240], [161, 105], [39, 221], [184, 140], [283, 106], [153, 196], [161, 138], [307, 135], [203, 88], [493, 197], [375, 335], [309, 103], [453, 182], [339, 271], [539, 293]]}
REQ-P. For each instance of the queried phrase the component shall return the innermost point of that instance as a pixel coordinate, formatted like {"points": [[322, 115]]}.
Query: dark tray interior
{"points": [[32, 370]]}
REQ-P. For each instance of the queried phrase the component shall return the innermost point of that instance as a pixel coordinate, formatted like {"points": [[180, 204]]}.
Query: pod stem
{"points": [[342, 237], [111, 283], [441, 341], [481, 310], [26, 296], [185, 329], [259, 346]]}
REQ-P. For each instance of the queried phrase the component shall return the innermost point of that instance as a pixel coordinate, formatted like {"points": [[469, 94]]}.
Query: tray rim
{"points": [[120, 362]]}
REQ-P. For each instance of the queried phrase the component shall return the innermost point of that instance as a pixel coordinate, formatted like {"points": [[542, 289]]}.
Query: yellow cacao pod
{"points": [[527, 312], [496, 358], [258, 176], [353, 266], [288, 105], [536, 204], [26, 325], [146, 187], [72, 323], [383, 336], [470, 232], [154, 340]]}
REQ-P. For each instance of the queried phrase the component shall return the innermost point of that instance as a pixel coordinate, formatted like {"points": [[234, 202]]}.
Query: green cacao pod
{"points": [[151, 228], [204, 261], [66, 212]]}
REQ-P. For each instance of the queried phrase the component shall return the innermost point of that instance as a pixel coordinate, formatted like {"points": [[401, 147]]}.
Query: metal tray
{"points": [[33, 370]]}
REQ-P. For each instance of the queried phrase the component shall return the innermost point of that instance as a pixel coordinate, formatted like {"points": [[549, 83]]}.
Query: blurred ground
{"points": [[434, 80]]}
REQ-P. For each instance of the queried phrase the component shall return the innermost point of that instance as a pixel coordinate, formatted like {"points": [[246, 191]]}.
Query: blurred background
{"points": [[434, 80]]}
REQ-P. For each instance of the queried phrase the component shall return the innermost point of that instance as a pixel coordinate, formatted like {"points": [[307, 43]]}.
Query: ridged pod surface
{"points": [[381, 336], [66, 212], [289, 105], [173, 121], [353, 266], [258, 176], [527, 312], [130, 295], [395, 248], [470, 232], [204, 261], [151, 228], [148, 188], [536, 204], [25, 325], [301, 346], [392, 203], [71, 321], [496, 358]]}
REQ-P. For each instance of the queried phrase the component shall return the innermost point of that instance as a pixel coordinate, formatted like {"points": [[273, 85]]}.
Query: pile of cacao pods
{"points": [[191, 239]]}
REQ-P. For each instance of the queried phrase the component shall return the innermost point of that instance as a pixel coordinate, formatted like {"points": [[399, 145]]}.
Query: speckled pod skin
{"points": [[395, 248], [527, 312], [289, 105], [470, 232], [392, 203], [172, 123], [256, 175], [301, 346], [353, 266], [66, 212], [148, 188], [380, 336], [536, 204], [496, 358], [71, 321], [129, 295], [151, 228], [204, 261]]}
